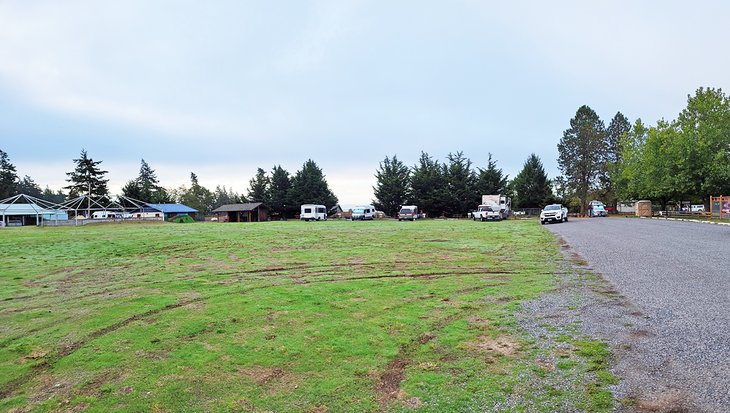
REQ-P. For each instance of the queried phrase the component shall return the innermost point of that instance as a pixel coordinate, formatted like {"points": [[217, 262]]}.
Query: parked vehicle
{"points": [[554, 213], [106, 215], [697, 208], [312, 212], [409, 213], [486, 213], [597, 210], [363, 212], [500, 203]]}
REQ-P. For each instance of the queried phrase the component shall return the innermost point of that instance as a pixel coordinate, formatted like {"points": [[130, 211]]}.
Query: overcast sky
{"points": [[223, 87]]}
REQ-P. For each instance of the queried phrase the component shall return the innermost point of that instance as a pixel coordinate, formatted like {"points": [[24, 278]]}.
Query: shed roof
{"points": [[172, 208], [239, 207], [25, 209]]}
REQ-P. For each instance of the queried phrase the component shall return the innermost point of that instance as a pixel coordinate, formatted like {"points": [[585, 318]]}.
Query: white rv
{"points": [[500, 203], [312, 212], [363, 212], [106, 215]]}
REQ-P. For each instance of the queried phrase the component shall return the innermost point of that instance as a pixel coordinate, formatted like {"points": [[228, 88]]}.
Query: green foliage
{"points": [[8, 177], [491, 181], [392, 187], [532, 186], [197, 197], [609, 173], [258, 187], [581, 153], [461, 185], [225, 196], [28, 186], [279, 195], [146, 186], [53, 196], [310, 187], [87, 178], [181, 219], [429, 188], [680, 160]]}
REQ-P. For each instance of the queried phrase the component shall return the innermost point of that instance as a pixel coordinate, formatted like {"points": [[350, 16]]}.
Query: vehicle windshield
{"points": [[552, 208], [406, 211], [598, 207], [358, 210], [485, 208]]}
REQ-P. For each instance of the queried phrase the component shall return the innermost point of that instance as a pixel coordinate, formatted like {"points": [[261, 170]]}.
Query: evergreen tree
{"points": [[531, 185], [279, 195], [461, 181], [8, 177], [617, 128], [391, 188], [225, 196], [28, 186], [197, 196], [491, 181], [87, 178], [310, 187], [581, 152], [146, 186], [258, 189], [51, 196], [429, 189]]}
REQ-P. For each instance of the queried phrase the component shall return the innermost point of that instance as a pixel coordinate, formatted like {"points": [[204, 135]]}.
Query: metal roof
{"points": [[238, 207], [172, 208], [25, 209]]}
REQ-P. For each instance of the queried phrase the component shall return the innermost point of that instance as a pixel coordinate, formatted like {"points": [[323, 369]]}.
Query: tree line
{"points": [[454, 187], [279, 190], [685, 159]]}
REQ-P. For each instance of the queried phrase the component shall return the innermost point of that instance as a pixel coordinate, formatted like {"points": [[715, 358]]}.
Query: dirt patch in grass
{"points": [[503, 345], [388, 386], [273, 379]]}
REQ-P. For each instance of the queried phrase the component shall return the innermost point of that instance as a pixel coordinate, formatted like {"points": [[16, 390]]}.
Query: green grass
{"points": [[280, 316]]}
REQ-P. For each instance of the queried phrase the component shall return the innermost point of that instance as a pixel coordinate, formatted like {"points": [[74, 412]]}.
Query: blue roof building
{"points": [[166, 211]]}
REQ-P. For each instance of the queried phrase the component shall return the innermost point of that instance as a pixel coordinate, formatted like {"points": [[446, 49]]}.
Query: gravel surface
{"points": [[665, 309]]}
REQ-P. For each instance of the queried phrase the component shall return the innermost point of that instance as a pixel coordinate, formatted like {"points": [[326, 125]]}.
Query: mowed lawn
{"points": [[280, 316]]}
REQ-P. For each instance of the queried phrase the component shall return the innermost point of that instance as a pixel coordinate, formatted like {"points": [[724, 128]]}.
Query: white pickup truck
{"points": [[487, 213], [554, 213]]}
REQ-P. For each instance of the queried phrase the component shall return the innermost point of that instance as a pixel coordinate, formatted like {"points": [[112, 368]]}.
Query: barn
{"points": [[28, 214], [250, 212]]}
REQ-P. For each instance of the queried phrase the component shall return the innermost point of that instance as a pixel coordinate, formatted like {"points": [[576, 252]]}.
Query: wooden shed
{"points": [[250, 212]]}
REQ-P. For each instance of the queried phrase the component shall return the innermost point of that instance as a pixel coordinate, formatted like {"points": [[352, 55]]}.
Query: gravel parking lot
{"points": [[676, 276]]}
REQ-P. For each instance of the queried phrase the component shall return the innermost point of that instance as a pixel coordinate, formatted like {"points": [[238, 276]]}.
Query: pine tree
{"points": [[8, 177], [258, 189], [197, 196], [531, 185], [581, 151], [29, 187], [51, 196], [429, 189], [87, 178], [391, 188], [608, 175], [280, 193], [461, 181], [491, 181], [309, 186], [146, 186]]}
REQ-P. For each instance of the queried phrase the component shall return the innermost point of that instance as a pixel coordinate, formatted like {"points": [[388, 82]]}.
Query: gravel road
{"points": [[676, 276]]}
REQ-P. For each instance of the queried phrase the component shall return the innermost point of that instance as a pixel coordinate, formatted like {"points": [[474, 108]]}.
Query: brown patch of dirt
{"points": [[477, 321], [262, 375], [503, 345], [413, 402], [36, 354], [436, 240], [388, 386], [668, 402], [425, 338]]}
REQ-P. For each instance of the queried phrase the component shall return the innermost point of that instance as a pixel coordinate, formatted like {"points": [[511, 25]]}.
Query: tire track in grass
{"points": [[50, 360]]}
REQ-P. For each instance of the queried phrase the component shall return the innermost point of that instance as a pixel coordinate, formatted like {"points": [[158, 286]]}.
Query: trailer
{"points": [[501, 203]]}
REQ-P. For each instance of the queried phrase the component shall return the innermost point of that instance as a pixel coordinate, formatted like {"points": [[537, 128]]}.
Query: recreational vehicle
{"points": [[311, 212], [363, 212]]}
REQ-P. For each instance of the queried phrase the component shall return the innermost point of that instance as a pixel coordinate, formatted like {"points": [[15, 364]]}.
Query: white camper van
{"points": [[106, 215], [363, 212], [311, 212]]}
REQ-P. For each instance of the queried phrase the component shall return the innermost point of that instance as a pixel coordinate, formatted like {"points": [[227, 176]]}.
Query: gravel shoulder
{"points": [[661, 300]]}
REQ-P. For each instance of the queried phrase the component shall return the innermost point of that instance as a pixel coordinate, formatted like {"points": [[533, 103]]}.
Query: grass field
{"points": [[280, 316]]}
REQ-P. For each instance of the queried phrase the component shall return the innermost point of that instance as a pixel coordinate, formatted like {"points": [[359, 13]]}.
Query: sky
{"points": [[220, 88]]}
